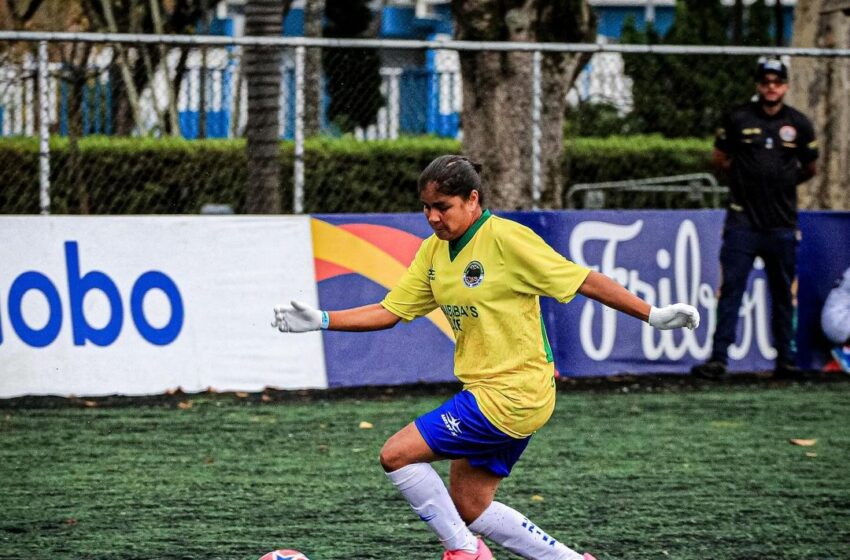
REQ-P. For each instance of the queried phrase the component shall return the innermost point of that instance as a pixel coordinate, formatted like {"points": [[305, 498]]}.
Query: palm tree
{"points": [[263, 18], [314, 13]]}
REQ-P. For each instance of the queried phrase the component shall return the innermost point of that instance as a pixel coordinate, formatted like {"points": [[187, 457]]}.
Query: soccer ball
{"points": [[284, 555]]}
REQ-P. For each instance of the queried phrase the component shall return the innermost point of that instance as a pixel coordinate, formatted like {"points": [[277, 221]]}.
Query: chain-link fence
{"points": [[97, 125]]}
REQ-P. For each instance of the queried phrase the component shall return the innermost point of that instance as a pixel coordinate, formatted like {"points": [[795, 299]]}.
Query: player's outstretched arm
{"points": [[599, 287], [300, 317]]}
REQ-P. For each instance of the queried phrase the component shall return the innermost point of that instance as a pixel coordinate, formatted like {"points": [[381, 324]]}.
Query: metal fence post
{"points": [[393, 102], [298, 179], [43, 130], [536, 107]]}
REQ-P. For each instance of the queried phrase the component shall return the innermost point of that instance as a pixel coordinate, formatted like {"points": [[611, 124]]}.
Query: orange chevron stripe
{"points": [[343, 249]]}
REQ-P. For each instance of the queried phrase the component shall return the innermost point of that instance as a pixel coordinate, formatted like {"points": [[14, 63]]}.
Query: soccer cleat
{"points": [[588, 556], [842, 357], [483, 553], [713, 370]]}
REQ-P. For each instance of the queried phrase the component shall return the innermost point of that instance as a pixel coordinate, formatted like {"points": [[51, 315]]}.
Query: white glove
{"points": [[297, 319], [674, 316]]}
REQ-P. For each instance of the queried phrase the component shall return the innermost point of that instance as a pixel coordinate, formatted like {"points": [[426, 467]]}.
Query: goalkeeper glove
{"points": [[674, 316], [299, 318]]}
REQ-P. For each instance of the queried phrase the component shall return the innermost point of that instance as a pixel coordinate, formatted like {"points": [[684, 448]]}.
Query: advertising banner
{"points": [[358, 259], [663, 256], [141, 305], [823, 256]]}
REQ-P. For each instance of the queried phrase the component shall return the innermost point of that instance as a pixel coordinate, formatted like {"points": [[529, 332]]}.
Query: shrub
{"points": [[175, 176]]}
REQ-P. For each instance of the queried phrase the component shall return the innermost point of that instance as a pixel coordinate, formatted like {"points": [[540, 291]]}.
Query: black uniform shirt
{"points": [[767, 154]]}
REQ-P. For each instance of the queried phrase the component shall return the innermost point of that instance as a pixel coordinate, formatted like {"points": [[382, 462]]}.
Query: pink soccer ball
{"points": [[286, 554]]}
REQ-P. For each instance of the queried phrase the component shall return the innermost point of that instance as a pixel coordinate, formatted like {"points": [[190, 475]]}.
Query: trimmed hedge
{"points": [[123, 175], [108, 175], [618, 158]]}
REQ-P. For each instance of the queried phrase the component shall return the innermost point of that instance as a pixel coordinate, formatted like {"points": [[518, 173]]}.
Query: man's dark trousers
{"points": [[778, 250]]}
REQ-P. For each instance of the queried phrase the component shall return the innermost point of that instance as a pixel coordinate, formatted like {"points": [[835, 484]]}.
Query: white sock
{"points": [[514, 531], [426, 493]]}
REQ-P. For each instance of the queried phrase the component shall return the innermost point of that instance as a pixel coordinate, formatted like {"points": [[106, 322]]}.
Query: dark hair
{"points": [[454, 176]]}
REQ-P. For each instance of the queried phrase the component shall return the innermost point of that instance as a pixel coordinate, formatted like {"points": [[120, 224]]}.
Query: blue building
{"points": [[422, 19], [421, 89]]}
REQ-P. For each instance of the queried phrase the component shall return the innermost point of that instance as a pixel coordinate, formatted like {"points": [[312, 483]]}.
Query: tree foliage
{"points": [[135, 16], [352, 75], [131, 67], [686, 95], [21, 13]]}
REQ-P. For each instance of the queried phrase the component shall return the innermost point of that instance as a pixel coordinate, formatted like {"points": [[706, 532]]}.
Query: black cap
{"points": [[772, 66]]}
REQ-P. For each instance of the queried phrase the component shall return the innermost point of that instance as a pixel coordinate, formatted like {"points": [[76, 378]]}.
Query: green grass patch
{"points": [[703, 473]]}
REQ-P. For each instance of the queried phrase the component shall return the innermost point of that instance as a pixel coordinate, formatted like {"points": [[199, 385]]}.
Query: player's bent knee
{"points": [[391, 459], [470, 510]]}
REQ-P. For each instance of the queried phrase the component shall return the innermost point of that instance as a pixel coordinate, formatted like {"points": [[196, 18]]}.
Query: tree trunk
{"points": [[497, 92], [314, 13], [125, 67], [737, 22], [819, 88], [21, 15], [779, 23], [75, 61], [173, 124], [263, 18]]}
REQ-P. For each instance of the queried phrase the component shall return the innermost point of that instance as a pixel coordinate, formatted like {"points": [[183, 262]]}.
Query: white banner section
{"points": [[142, 305]]}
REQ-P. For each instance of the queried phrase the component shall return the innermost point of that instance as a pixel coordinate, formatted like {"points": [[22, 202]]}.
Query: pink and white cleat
{"points": [[483, 553], [588, 556]]}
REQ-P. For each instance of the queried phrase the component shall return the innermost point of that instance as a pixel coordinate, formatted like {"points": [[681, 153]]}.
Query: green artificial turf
{"points": [[696, 474]]}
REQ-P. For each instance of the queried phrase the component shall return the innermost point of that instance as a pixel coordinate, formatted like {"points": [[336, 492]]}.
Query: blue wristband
{"points": [[326, 320]]}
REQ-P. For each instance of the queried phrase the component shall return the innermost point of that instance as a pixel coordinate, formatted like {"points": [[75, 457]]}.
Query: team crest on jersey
{"points": [[473, 274], [788, 133]]}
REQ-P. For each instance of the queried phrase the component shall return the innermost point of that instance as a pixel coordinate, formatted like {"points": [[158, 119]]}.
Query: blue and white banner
{"points": [[142, 305], [663, 256]]}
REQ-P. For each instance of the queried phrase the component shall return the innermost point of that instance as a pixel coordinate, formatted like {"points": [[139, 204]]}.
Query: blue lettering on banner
{"points": [[37, 281], [157, 280], [80, 285]]}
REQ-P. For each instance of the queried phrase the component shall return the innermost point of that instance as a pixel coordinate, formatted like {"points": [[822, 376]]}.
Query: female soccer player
{"points": [[486, 273]]}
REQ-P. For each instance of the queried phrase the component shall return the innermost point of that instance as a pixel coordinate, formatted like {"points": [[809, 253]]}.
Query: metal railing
{"points": [[694, 185]]}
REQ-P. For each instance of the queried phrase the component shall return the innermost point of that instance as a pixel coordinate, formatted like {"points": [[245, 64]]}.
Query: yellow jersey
{"points": [[488, 284]]}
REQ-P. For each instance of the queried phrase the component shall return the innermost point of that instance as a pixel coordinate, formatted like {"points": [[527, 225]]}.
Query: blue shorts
{"points": [[458, 430]]}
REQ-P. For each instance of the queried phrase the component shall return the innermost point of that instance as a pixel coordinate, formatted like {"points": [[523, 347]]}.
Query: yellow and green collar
{"points": [[457, 245]]}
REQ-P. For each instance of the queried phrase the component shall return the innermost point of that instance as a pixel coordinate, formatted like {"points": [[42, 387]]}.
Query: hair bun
{"points": [[453, 175]]}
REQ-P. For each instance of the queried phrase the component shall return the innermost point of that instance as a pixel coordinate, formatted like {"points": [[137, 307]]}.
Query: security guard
{"points": [[766, 149]]}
